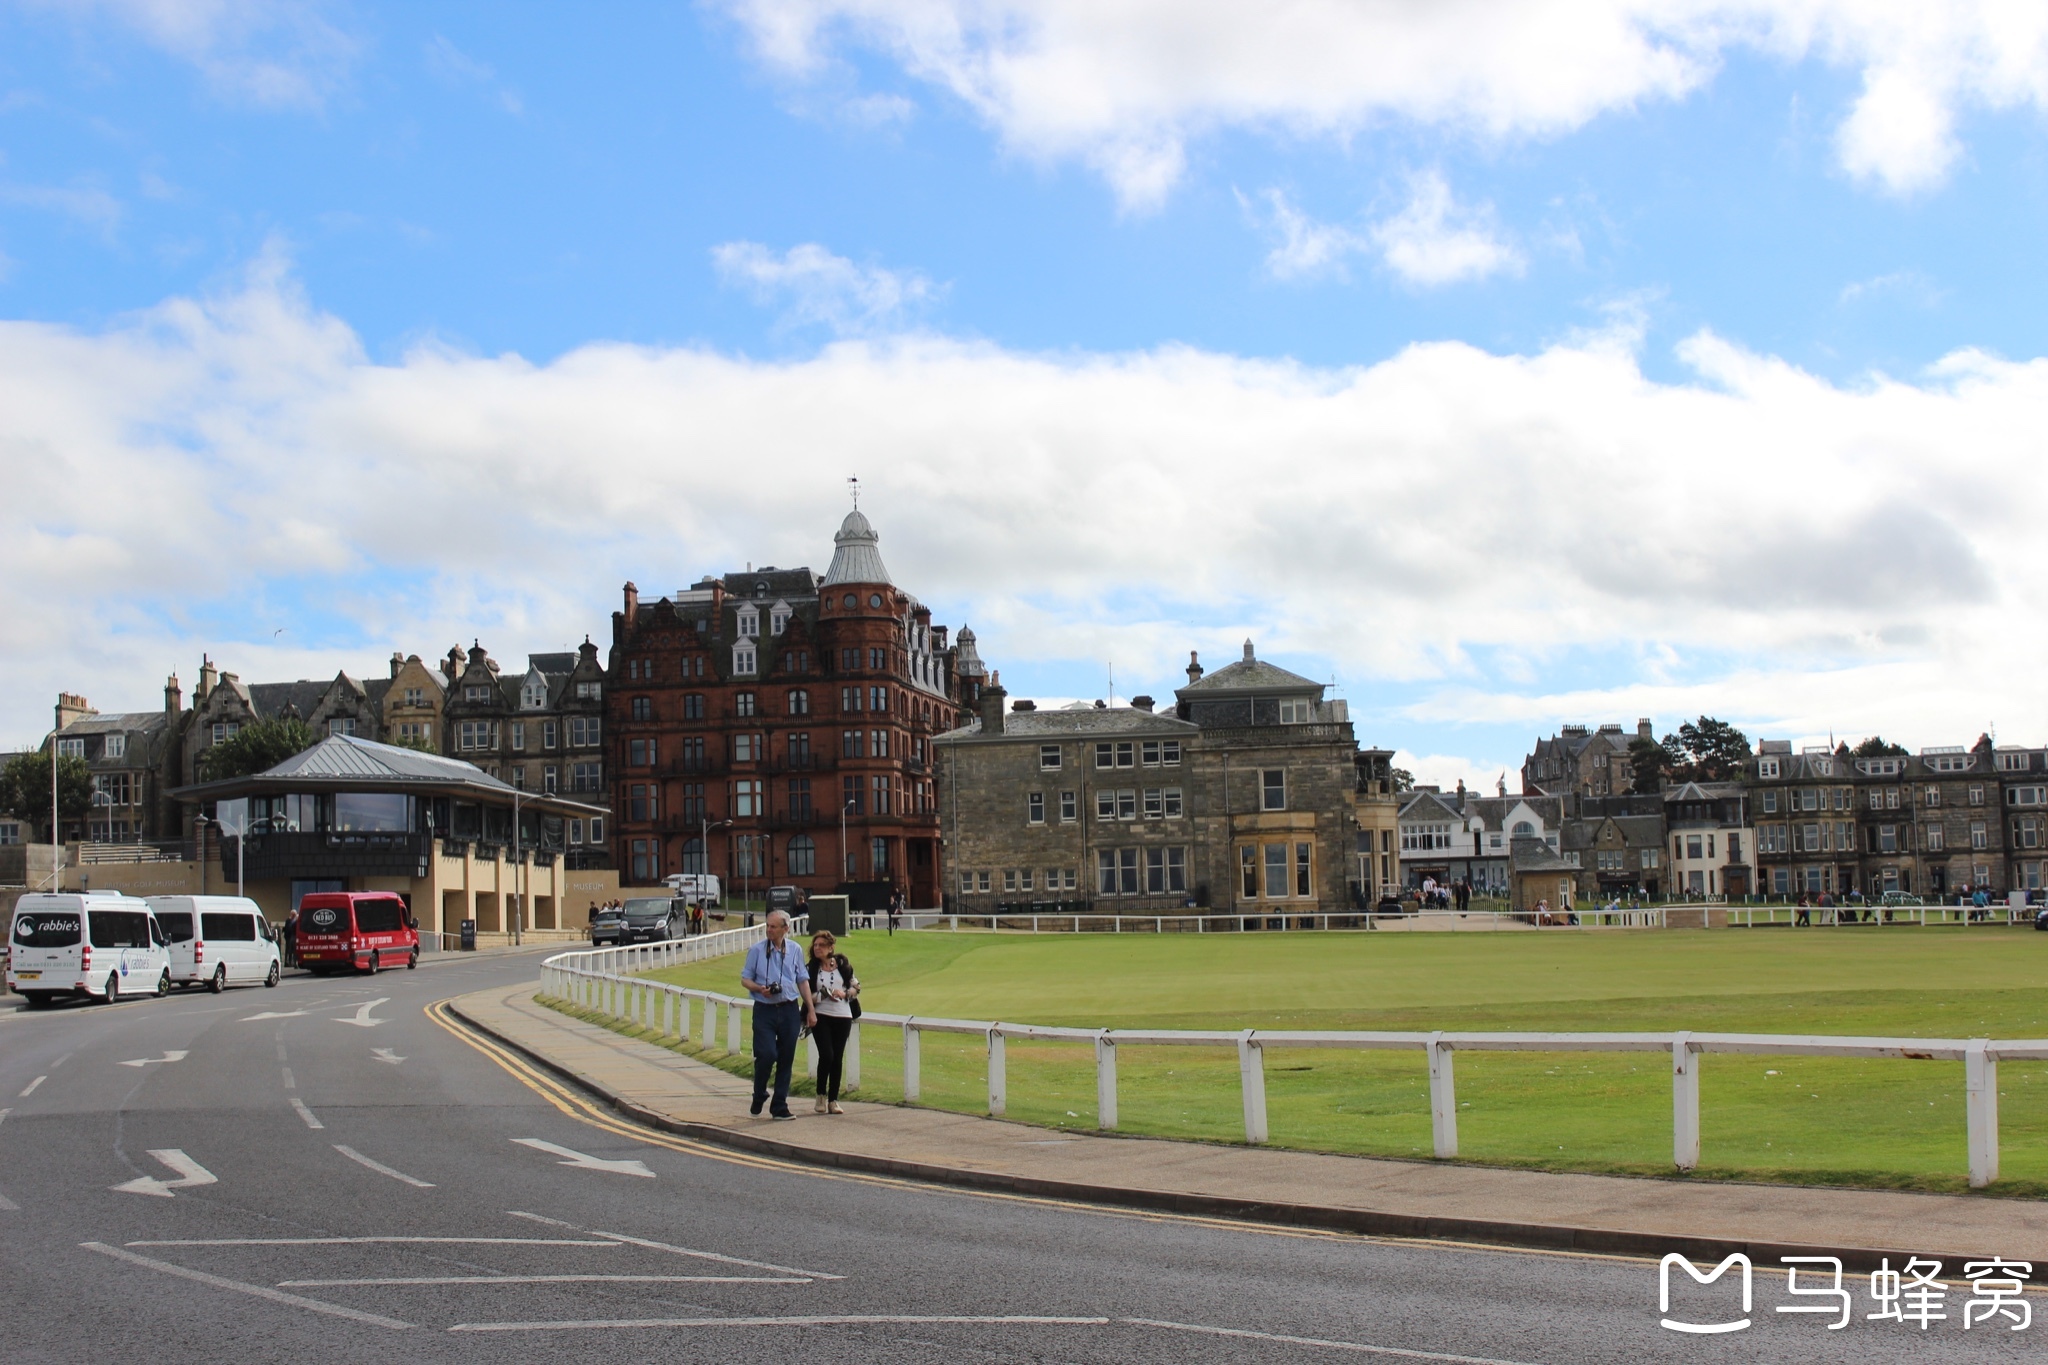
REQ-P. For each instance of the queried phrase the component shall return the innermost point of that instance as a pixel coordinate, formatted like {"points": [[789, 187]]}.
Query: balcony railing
{"points": [[358, 853]]}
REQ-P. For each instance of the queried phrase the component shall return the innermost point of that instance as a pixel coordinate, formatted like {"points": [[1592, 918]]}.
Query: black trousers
{"points": [[831, 1032]]}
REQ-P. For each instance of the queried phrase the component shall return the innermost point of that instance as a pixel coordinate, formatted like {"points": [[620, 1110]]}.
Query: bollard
{"points": [[910, 1060], [1251, 1075], [1685, 1102], [1980, 1105], [1105, 1082], [998, 1072], [1443, 1097]]}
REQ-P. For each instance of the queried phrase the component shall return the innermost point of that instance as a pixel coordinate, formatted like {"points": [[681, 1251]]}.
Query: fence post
{"points": [[1443, 1098], [1685, 1102], [998, 1072], [732, 1027], [1980, 1103], [910, 1059], [682, 1016], [1251, 1076], [811, 1054], [1105, 1081], [850, 1080]]}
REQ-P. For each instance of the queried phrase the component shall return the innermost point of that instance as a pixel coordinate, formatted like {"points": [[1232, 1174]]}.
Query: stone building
{"points": [[1802, 806], [1243, 801], [1712, 847], [1931, 823], [1376, 810], [775, 726], [1463, 836], [134, 762], [1618, 843], [1581, 762]]}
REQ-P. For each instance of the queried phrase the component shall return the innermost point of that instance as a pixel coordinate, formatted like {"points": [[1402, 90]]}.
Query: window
{"points": [[575, 831], [1936, 838], [1155, 804], [1933, 796], [1767, 768], [415, 696], [881, 794], [642, 709], [796, 661], [1273, 789], [1887, 838], [549, 734], [1169, 752], [800, 798], [746, 799], [1276, 871], [693, 754], [2026, 832], [743, 661], [587, 777], [849, 699], [1105, 805], [1248, 872], [1127, 805], [117, 746], [1612, 860], [1296, 712], [1891, 798], [778, 620], [1976, 793], [597, 829], [1735, 845], [2012, 763], [643, 801], [693, 855], [878, 856], [878, 658], [1149, 753], [584, 732], [1170, 803], [693, 706], [1980, 837], [853, 798], [646, 860], [340, 725], [1950, 763], [1304, 883], [640, 753], [878, 699], [1010, 879], [1813, 838], [1649, 859], [1126, 754], [550, 778], [750, 855], [589, 691], [1771, 802], [1070, 808], [1694, 846], [799, 702], [475, 734], [1049, 757], [849, 659], [749, 622], [746, 748], [75, 748], [743, 703], [801, 857], [1034, 808], [878, 743], [853, 744], [2026, 796], [800, 749]]}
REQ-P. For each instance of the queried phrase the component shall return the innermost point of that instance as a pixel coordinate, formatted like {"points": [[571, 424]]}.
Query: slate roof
{"points": [[858, 556], [1533, 855], [345, 763], [302, 696], [1250, 674], [1110, 720], [117, 723], [1637, 831]]}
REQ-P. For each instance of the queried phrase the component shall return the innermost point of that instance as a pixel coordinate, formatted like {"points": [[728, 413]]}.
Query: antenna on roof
{"points": [[853, 487]]}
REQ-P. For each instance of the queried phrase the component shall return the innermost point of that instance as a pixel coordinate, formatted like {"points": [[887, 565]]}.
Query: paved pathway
{"points": [[1401, 1198]]}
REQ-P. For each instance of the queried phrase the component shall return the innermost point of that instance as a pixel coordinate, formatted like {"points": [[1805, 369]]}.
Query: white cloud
{"points": [[1305, 246], [275, 53], [1124, 87], [455, 66], [815, 286], [197, 475], [84, 203], [1434, 240]]}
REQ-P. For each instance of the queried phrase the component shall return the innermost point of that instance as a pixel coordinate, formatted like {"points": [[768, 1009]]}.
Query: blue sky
{"points": [[1560, 347]]}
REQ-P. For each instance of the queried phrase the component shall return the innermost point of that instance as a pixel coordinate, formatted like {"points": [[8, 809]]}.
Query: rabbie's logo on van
{"points": [[323, 918]]}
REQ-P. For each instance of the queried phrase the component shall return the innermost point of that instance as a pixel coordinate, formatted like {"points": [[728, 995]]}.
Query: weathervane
{"points": [[853, 487]]}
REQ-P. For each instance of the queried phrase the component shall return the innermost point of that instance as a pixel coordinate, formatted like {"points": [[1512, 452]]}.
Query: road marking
{"points": [[385, 1054], [259, 1291], [676, 1250], [835, 1320], [363, 1019], [549, 1279], [381, 1169], [156, 1061], [289, 1082], [190, 1173], [1361, 1347], [31, 1089], [305, 1113], [584, 1161], [273, 1014], [8, 1205], [375, 1241]]}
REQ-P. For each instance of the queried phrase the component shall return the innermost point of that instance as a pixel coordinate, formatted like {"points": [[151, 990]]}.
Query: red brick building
{"points": [[775, 727]]}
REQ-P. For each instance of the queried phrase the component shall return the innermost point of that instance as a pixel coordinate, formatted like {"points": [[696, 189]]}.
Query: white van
{"points": [[219, 940], [100, 944], [701, 887]]}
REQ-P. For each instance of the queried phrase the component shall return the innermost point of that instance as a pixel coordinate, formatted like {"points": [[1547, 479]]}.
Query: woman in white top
{"points": [[836, 993]]}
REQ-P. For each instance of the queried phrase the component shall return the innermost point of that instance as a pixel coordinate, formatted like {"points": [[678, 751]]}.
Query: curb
{"points": [[1363, 1222]]}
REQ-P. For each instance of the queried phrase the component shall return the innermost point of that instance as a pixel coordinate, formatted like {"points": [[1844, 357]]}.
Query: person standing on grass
{"points": [[834, 989], [774, 974], [895, 910]]}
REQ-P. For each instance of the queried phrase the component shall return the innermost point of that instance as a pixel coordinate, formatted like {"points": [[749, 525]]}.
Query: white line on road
{"points": [[385, 1054], [32, 1087], [8, 1205], [260, 1291], [156, 1061], [836, 1320], [584, 1161], [679, 1251], [306, 1113], [363, 1019], [551, 1279], [274, 1014], [1281, 1340], [381, 1169], [190, 1173], [290, 1082], [368, 1241]]}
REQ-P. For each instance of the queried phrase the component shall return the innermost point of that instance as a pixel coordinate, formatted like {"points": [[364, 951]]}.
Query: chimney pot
{"points": [[1141, 703]]}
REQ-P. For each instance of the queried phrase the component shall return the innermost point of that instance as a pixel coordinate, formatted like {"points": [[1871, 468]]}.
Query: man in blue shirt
{"points": [[779, 979]]}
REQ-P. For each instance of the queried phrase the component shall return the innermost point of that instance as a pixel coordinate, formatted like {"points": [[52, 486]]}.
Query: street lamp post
{"points": [[518, 880], [56, 835], [705, 825]]}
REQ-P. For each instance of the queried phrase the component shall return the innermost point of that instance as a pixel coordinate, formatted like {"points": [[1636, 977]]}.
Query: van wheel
{"points": [[271, 980], [412, 959], [219, 980], [113, 991], [163, 984], [376, 962]]}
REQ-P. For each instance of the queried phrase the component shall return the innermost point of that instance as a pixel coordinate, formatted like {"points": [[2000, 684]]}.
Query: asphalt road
{"points": [[324, 1172]]}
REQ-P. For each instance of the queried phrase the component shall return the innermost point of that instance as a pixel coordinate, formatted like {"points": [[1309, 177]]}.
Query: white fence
{"points": [[601, 980], [1749, 916]]}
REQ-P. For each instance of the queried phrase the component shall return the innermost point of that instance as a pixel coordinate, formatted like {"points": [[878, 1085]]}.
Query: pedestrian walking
{"points": [[290, 944], [895, 910], [774, 976], [835, 1000]]}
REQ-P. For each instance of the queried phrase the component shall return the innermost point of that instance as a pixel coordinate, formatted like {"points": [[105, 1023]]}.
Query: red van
{"points": [[356, 931]]}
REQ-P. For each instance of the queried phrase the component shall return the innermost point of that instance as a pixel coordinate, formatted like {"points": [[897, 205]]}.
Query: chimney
{"points": [[1141, 703], [208, 676], [451, 666], [1461, 793], [1023, 704], [1645, 730], [991, 703], [632, 604], [1248, 649], [586, 653], [72, 708], [1194, 668], [174, 697], [397, 662]]}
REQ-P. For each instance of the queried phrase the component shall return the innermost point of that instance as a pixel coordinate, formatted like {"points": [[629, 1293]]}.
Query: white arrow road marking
{"points": [[582, 1161], [363, 1019], [260, 1291], [385, 1054], [546, 1279], [31, 1088], [381, 1169], [273, 1014], [190, 1173], [158, 1061], [306, 1113]]}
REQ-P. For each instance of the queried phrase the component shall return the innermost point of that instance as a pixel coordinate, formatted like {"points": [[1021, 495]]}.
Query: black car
{"points": [[608, 926], [653, 919]]}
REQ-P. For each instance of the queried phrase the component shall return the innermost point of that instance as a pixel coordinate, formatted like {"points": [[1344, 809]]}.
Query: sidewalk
{"points": [[1608, 1214]]}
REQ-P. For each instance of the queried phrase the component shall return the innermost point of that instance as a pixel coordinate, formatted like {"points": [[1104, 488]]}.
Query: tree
{"points": [[1717, 749], [413, 742], [25, 788], [1875, 747], [1648, 762], [255, 747], [1404, 781]]}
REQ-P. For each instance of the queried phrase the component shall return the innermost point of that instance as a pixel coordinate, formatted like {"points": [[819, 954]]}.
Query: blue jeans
{"points": [[777, 1029]]}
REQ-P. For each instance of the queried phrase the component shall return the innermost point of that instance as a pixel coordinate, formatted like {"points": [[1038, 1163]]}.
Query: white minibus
{"points": [[100, 944]]}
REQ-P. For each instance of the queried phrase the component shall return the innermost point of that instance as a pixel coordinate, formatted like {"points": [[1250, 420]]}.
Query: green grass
{"points": [[1894, 1124]]}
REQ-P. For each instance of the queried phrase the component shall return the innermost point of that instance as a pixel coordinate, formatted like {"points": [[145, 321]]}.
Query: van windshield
{"points": [[46, 931], [177, 924], [648, 908], [379, 916], [120, 929]]}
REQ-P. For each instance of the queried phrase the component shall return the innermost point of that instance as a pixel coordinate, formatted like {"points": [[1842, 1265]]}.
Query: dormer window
{"points": [[749, 624], [743, 660], [778, 618], [533, 696], [1767, 768], [1296, 712]]}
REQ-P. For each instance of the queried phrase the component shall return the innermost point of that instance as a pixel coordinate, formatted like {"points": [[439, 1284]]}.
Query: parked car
{"points": [[788, 899], [99, 944], [220, 941], [653, 919], [701, 887], [608, 926], [2041, 918], [356, 931]]}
